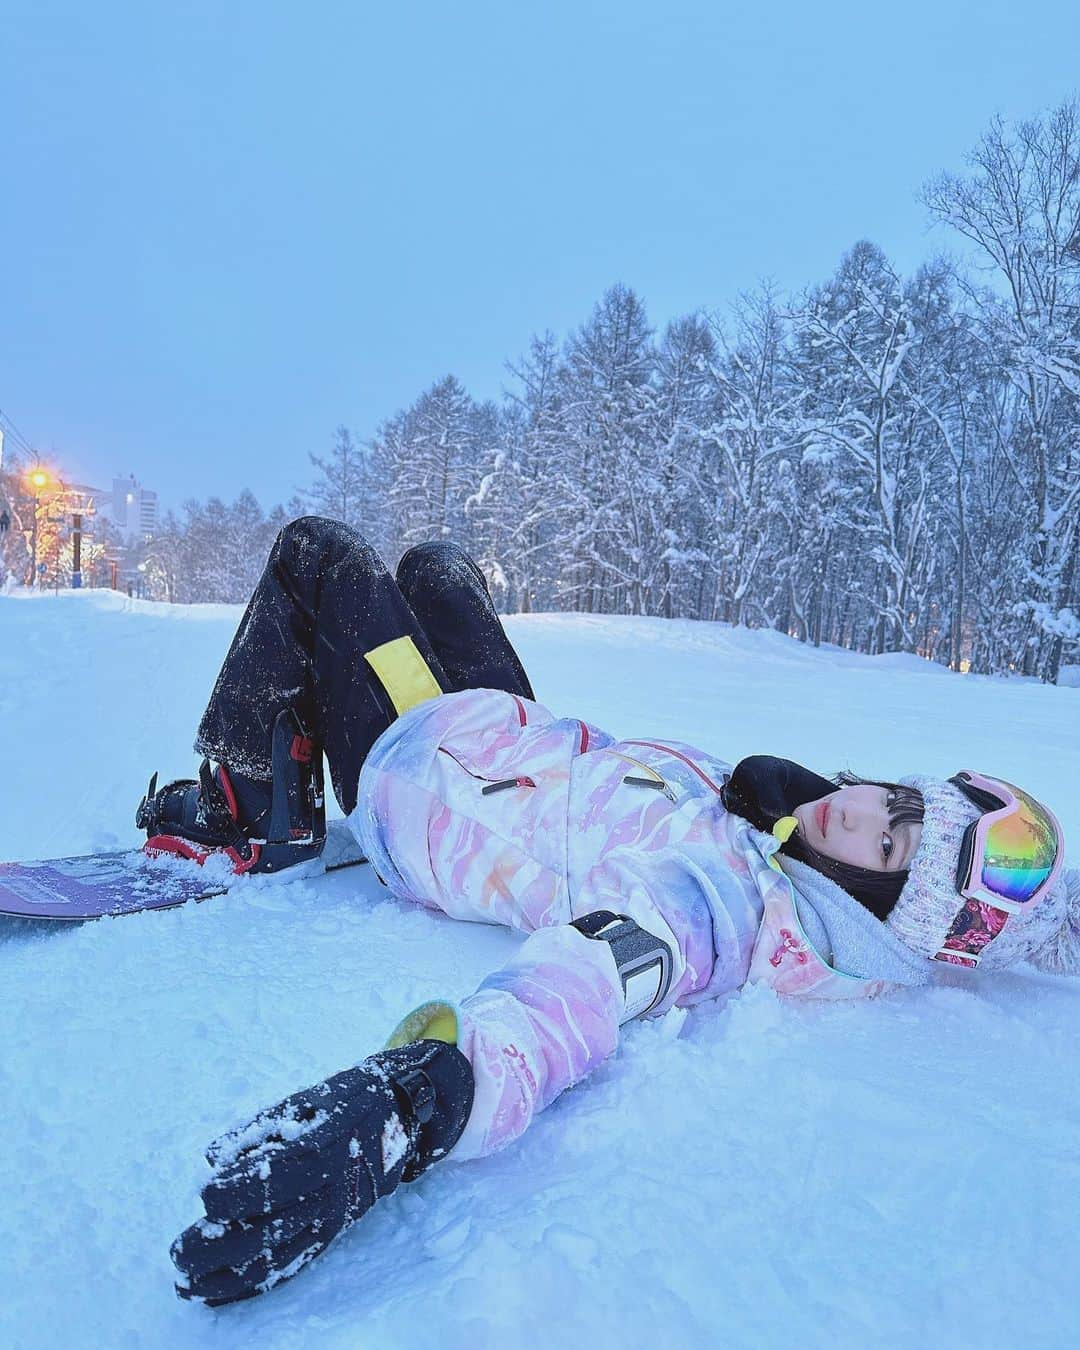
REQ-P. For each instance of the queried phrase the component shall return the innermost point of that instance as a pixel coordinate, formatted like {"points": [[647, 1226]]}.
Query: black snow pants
{"points": [[326, 617]]}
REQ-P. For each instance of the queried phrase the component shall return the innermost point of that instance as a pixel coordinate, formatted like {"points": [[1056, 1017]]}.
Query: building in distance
{"points": [[129, 507]]}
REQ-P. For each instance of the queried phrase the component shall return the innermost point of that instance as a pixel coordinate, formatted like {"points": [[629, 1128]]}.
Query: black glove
{"points": [[285, 1185], [763, 788]]}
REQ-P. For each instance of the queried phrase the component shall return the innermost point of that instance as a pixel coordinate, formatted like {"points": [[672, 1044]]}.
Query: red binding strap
{"points": [[172, 845]]}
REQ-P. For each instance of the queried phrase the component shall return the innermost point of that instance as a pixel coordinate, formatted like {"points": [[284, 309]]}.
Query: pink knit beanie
{"points": [[1048, 935]]}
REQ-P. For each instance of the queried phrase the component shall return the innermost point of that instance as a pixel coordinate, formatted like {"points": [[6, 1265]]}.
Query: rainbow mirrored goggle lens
{"points": [[1011, 854], [1009, 859], [1020, 853]]}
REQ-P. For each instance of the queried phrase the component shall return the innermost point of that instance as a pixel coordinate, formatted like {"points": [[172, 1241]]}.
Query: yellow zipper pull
{"points": [[785, 827]]}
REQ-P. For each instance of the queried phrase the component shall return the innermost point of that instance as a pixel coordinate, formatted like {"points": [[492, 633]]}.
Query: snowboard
{"points": [[126, 881]]}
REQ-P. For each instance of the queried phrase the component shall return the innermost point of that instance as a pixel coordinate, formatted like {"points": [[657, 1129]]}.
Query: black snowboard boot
{"points": [[261, 826], [196, 817]]}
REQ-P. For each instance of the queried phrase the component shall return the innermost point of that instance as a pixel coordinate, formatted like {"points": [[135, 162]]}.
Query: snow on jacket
{"points": [[487, 807]]}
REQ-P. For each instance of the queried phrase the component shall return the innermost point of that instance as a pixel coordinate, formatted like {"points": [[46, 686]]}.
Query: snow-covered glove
{"points": [[285, 1185]]}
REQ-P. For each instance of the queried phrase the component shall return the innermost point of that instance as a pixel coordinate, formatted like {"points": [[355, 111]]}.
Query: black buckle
{"points": [[420, 1091], [219, 814]]}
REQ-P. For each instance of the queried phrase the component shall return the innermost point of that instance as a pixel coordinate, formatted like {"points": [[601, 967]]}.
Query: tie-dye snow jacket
{"points": [[487, 807]]}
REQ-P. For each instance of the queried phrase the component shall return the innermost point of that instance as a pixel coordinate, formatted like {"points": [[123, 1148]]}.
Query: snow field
{"points": [[754, 1173]]}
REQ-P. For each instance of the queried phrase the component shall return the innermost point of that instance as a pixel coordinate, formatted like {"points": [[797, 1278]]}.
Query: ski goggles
{"points": [[1010, 858]]}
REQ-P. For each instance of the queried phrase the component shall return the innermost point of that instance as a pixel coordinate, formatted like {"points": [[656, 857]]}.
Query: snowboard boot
{"points": [[260, 826]]}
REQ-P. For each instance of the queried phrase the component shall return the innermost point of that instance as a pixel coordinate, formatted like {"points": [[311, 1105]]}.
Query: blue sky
{"points": [[225, 228]]}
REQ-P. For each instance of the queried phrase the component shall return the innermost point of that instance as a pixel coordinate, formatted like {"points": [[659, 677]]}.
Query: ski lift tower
{"points": [[79, 504]]}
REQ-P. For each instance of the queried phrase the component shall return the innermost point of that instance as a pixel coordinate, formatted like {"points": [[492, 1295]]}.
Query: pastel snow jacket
{"points": [[487, 807]]}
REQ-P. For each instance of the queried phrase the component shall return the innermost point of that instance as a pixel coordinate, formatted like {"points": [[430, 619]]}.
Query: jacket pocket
{"points": [[489, 783], [645, 776]]}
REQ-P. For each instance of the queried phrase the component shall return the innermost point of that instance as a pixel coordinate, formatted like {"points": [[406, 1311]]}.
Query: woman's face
{"points": [[851, 825]]}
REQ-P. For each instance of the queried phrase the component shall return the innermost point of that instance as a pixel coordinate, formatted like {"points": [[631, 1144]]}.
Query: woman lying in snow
{"points": [[647, 874]]}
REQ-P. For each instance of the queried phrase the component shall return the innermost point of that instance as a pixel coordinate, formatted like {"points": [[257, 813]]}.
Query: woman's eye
{"points": [[886, 840]]}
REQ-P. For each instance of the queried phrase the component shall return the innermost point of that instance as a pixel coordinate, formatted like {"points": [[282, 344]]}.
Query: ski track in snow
{"points": [[755, 1173]]}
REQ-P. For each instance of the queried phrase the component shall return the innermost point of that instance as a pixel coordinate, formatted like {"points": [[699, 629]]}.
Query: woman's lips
{"points": [[822, 815]]}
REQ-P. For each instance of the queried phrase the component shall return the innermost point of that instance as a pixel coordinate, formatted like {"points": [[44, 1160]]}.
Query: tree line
{"points": [[883, 462]]}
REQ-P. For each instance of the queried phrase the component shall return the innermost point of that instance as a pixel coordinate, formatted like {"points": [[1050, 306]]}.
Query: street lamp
{"points": [[38, 480]]}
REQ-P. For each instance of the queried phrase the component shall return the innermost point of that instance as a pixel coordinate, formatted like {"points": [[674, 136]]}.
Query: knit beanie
{"points": [[1048, 934]]}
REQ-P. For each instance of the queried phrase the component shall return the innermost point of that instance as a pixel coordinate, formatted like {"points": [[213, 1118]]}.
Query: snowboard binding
{"points": [[259, 826]]}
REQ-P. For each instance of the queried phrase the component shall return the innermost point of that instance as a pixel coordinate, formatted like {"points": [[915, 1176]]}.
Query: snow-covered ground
{"points": [[760, 1173]]}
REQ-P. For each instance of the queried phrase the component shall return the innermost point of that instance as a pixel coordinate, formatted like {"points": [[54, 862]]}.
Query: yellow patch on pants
{"points": [[403, 673]]}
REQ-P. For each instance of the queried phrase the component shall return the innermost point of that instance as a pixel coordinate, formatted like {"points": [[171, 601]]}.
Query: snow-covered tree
{"points": [[342, 485], [15, 509], [1020, 209], [609, 418]]}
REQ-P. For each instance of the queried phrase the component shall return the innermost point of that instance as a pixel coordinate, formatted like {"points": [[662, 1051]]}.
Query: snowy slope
{"points": [[899, 1173]]}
